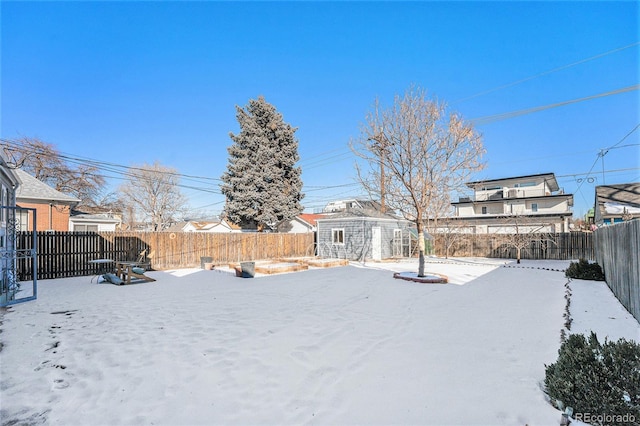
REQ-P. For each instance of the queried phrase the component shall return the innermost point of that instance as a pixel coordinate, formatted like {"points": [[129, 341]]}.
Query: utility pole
{"points": [[602, 153]]}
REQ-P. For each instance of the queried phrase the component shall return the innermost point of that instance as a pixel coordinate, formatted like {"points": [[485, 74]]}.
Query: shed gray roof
{"points": [[31, 188], [360, 213]]}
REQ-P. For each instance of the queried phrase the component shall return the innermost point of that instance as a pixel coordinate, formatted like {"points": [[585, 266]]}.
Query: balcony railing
{"points": [[508, 193]]}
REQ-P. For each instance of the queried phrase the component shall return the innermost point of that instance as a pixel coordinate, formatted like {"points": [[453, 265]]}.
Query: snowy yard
{"points": [[335, 346]]}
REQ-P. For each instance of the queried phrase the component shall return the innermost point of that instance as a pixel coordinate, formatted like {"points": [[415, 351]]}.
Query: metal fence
{"points": [[618, 253]]}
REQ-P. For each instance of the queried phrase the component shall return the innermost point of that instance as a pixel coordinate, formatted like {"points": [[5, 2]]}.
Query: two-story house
{"points": [[535, 203]]}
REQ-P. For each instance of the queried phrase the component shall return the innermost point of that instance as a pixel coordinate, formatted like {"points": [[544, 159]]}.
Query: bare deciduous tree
{"points": [[153, 191], [450, 232], [520, 231], [43, 161], [418, 154]]}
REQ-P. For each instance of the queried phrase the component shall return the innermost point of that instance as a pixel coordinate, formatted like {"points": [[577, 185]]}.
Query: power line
{"points": [[114, 167], [122, 172], [626, 136], [596, 161], [573, 175], [546, 72], [605, 151], [504, 116]]}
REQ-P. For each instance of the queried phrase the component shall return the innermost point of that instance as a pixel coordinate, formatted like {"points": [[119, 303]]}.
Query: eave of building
{"points": [[509, 217], [93, 220], [550, 176], [363, 218], [36, 200]]}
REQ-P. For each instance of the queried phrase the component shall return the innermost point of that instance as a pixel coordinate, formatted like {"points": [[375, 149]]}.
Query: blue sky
{"points": [[138, 82]]}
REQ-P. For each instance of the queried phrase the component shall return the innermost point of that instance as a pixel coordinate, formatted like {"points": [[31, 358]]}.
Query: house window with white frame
{"points": [[484, 209], [22, 220], [85, 228], [337, 236], [534, 207]]}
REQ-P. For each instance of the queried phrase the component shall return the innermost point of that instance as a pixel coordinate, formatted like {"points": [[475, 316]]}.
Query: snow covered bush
{"points": [[598, 380], [583, 270]]}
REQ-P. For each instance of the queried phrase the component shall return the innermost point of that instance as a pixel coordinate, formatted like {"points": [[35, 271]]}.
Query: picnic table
{"points": [[103, 266], [126, 270]]}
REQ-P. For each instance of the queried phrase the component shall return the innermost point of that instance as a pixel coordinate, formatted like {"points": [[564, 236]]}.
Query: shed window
{"points": [[337, 236]]}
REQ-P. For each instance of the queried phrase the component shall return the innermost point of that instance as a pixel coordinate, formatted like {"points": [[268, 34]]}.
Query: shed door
{"points": [[376, 243]]}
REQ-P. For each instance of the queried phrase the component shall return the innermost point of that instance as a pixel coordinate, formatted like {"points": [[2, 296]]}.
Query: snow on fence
{"points": [[618, 253], [67, 254]]}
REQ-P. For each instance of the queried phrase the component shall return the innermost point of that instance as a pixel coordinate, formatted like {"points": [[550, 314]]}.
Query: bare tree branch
{"points": [[419, 153], [153, 191]]}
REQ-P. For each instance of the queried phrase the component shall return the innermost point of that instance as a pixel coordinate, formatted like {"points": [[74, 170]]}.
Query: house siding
{"points": [[49, 217], [357, 237]]}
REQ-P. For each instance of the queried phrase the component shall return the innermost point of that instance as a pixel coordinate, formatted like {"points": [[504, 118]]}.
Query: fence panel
{"points": [[560, 246], [67, 254], [617, 249]]}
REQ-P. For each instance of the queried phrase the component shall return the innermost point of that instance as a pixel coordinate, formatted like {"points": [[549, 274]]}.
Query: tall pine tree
{"points": [[262, 185]]}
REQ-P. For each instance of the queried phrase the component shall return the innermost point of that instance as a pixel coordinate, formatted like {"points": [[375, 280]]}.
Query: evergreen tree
{"points": [[262, 185]]}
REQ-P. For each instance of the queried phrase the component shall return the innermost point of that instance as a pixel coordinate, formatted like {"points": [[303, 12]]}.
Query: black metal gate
{"points": [[16, 254]]}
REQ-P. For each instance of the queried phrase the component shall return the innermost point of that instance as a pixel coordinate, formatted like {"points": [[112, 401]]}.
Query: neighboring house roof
{"points": [[311, 218], [304, 222], [205, 226], [100, 217], [200, 226], [31, 189], [615, 200], [341, 205], [176, 227], [549, 177]]}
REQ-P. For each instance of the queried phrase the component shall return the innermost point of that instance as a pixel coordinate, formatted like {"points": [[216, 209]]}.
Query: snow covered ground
{"points": [[336, 346]]}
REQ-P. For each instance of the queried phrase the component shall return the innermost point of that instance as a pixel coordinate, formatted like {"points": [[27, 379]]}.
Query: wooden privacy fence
{"points": [[67, 254], [618, 253], [560, 246]]}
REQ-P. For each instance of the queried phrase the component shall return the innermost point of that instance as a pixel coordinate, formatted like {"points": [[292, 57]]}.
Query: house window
{"points": [[484, 209], [85, 228], [23, 220], [337, 236], [524, 184], [534, 207]]}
